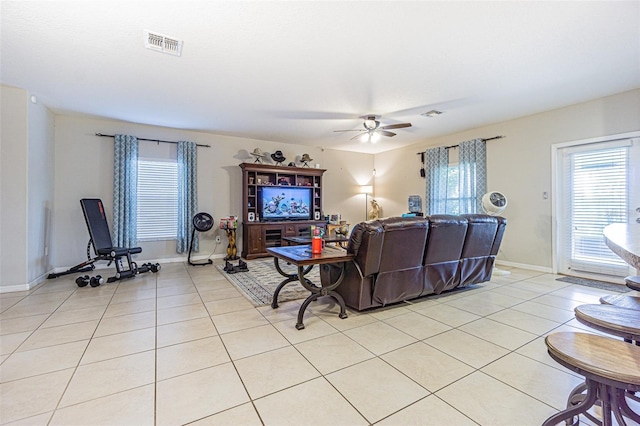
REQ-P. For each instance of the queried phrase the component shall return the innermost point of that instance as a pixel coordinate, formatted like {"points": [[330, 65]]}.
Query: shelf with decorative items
{"points": [[278, 201], [229, 225]]}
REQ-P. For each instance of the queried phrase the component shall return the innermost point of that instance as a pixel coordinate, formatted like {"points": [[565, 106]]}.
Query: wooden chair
{"points": [[610, 369], [633, 282], [622, 301], [611, 319]]}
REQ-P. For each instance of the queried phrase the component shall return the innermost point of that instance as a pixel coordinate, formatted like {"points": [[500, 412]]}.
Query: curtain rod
{"points": [[151, 140], [456, 146]]}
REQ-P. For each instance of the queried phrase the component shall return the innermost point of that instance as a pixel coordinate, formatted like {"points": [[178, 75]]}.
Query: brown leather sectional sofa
{"points": [[400, 258]]}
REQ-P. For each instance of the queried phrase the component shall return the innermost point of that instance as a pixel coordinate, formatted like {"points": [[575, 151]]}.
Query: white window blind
{"points": [[453, 190], [454, 201], [597, 187], [157, 200]]}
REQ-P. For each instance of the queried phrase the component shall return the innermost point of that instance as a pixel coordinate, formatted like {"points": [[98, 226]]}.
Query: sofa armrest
{"points": [[502, 225], [366, 244]]}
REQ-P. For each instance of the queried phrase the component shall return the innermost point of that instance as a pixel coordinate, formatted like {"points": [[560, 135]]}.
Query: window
{"points": [[157, 200], [453, 190], [454, 202]]}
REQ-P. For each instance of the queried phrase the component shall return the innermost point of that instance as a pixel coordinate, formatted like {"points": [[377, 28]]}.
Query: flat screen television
{"points": [[284, 203]]}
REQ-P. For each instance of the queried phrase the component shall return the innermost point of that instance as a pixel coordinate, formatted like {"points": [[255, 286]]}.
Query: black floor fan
{"points": [[202, 222]]}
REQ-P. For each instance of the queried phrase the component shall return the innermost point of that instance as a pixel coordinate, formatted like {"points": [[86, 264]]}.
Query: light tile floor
{"points": [[183, 346]]}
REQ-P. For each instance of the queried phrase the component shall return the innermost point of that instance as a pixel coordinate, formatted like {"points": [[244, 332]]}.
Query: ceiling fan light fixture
{"points": [[371, 123], [373, 130]]}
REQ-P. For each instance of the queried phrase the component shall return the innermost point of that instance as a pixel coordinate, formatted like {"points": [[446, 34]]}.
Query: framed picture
{"points": [[334, 218], [316, 215], [251, 216]]}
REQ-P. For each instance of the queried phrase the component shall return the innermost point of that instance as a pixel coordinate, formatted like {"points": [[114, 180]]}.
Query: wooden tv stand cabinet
{"points": [[258, 236]]}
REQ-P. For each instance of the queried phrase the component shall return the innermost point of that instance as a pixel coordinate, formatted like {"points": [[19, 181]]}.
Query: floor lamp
{"points": [[366, 190]]}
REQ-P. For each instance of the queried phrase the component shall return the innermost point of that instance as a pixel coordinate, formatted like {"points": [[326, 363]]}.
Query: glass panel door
{"points": [[599, 183]]}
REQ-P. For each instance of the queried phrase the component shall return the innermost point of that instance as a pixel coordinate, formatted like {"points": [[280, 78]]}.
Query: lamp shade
{"points": [[366, 189]]}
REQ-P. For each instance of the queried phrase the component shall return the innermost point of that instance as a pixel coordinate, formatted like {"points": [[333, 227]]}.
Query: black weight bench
{"points": [[100, 239]]}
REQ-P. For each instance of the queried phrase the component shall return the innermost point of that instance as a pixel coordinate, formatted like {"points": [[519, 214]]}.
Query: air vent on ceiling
{"points": [[432, 113], [162, 43]]}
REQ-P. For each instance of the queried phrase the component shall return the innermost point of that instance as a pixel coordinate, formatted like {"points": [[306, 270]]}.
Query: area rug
{"points": [[259, 283], [619, 288]]}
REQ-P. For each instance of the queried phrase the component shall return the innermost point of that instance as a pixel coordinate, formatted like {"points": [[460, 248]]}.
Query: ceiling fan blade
{"points": [[357, 136], [351, 130], [385, 133], [396, 126]]}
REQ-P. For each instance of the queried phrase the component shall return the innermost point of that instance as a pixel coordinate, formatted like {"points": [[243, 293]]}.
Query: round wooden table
{"points": [[624, 240]]}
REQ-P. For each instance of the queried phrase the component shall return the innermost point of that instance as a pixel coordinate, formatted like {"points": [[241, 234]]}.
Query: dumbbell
{"points": [[153, 267], [82, 281], [96, 281]]}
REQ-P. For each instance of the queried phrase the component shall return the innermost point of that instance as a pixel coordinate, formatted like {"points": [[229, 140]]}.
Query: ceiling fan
{"points": [[372, 129]]}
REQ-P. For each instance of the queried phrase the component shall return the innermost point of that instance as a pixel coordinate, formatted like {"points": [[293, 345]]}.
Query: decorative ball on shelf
{"points": [[305, 160], [257, 154], [278, 157]]}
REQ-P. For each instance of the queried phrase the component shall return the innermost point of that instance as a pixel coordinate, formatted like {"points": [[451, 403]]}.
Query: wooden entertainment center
{"points": [[259, 234]]}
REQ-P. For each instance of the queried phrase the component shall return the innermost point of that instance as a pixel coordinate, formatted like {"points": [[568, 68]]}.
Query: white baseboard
{"points": [[105, 265], [99, 266], [27, 286], [14, 288], [544, 269]]}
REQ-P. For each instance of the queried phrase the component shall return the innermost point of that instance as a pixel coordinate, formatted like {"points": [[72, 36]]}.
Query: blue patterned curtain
{"points": [[472, 174], [187, 195], [436, 163], [125, 191]]}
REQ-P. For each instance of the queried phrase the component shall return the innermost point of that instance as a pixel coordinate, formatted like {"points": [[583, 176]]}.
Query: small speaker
{"points": [[251, 216], [316, 215]]}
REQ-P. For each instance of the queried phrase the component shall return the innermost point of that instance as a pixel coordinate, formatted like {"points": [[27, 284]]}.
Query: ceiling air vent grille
{"points": [[162, 43]]}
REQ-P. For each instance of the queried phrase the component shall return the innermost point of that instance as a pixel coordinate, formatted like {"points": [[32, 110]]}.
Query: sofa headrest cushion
{"points": [[480, 218], [393, 223], [357, 234], [446, 219]]}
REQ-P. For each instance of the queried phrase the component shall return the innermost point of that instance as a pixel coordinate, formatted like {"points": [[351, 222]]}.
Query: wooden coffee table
{"points": [[329, 238], [304, 260]]}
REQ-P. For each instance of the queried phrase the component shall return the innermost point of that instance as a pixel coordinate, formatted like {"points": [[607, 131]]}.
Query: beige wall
{"points": [[39, 201], [84, 168], [519, 166], [26, 189], [40, 184], [13, 225]]}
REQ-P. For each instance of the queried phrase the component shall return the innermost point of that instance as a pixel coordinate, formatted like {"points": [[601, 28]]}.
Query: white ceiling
{"points": [[293, 72]]}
